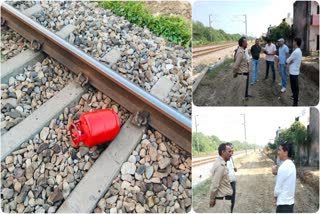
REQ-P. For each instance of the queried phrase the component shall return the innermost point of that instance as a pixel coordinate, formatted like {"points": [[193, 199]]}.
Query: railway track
{"points": [[145, 169], [211, 159], [209, 50]]}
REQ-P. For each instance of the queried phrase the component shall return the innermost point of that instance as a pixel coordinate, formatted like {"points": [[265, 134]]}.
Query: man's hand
{"points": [[212, 199], [275, 170], [212, 202], [275, 201]]}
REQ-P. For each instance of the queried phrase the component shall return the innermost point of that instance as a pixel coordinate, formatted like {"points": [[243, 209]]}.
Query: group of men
{"points": [[223, 185], [241, 65]]}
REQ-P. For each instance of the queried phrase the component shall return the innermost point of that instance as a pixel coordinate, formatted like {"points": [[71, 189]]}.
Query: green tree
{"points": [[281, 31]]}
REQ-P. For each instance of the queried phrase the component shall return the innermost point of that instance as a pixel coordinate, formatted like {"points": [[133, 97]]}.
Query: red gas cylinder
{"points": [[95, 127]]}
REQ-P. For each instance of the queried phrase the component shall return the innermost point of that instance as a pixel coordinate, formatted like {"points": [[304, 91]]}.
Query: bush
{"points": [[203, 35], [174, 29], [208, 145]]}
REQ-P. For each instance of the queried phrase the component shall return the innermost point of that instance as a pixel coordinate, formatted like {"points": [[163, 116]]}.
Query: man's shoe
{"points": [[283, 90], [280, 84], [252, 83]]}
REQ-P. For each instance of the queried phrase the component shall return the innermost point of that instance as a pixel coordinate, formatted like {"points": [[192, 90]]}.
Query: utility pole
{"points": [[245, 130], [210, 22], [245, 21], [195, 120]]}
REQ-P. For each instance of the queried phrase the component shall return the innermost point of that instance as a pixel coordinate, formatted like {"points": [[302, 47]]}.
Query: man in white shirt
{"points": [[270, 51], [294, 62], [232, 176], [286, 180]]}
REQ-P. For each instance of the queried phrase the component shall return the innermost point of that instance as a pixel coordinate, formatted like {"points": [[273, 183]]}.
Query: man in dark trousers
{"points": [[294, 62], [255, 52], [286, 180], [241, 66], [270, 51]]}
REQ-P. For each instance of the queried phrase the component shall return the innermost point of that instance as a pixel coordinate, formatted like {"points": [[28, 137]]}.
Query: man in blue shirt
{"points": [[283, 55]]}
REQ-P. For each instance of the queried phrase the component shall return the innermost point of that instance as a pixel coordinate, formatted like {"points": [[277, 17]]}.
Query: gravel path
{"points": [[224, 90], [156, 178], [255, 185], [134, 52], [43, 171], [29, 90]]}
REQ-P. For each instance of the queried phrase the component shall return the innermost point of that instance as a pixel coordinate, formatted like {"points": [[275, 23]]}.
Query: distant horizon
{"points": [[229, 15], [219, 121]]}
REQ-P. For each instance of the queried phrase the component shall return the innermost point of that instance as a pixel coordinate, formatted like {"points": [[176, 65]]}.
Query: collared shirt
{"points": [[296, 58], [220, 179], [283, 50], [231, 172], [270, 49], [247, 54], [285, 183], [255, 51], [240, 65]]}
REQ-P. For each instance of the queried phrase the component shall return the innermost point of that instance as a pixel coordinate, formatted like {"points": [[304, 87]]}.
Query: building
{"points": [[306, 25], [288, 20]]}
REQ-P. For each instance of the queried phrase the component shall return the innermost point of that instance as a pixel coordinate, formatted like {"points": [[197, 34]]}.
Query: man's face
{"points": [[282, 154], [257, 42], [281, 43], [294, 44], [226, 154], [232, 150], [245, 44]]}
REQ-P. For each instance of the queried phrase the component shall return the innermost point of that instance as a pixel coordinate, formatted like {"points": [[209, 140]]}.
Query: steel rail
{"points": [[163, 118], [210, 50]]}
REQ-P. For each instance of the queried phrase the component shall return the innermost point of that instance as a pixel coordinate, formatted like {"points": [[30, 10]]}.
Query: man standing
{"points": [[294, 62], [286, 180], [241, 65], [270, 51], [283, 55], [232, 177], [221, 190], [255, 52]]}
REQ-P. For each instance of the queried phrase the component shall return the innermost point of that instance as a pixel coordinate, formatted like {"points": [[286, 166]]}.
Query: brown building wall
{"points": [[302, 15]]}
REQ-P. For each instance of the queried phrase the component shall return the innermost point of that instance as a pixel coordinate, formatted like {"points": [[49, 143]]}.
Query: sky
{"points": [[261, 123], [228, 15]]}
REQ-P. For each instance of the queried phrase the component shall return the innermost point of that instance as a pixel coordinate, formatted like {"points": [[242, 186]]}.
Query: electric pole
{"points": [[210, 22], [245, 130], [195, 120], [245, 21]]}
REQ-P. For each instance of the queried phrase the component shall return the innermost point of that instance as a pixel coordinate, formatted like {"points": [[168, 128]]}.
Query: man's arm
{"points": [[282, 176], [291, 59], [216, 181], [237, 62]]}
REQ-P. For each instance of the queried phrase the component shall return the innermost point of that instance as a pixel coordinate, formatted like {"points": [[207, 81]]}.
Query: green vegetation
{"points": [[296, 134], [281, 31], [213, 72], [203, 35], [208, 145], [175, 29], [202, 189]]}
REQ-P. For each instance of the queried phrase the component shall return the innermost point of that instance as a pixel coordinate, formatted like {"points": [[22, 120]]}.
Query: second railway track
{"points": [[208, 50], [41, 172]]}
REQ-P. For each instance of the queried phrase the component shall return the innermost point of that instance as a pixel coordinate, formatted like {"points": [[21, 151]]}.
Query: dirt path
{"points": [[224, 90], [255, 185]]}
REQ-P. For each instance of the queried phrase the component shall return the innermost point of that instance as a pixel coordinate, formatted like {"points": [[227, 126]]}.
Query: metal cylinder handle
{"points": [[74, 134]]}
